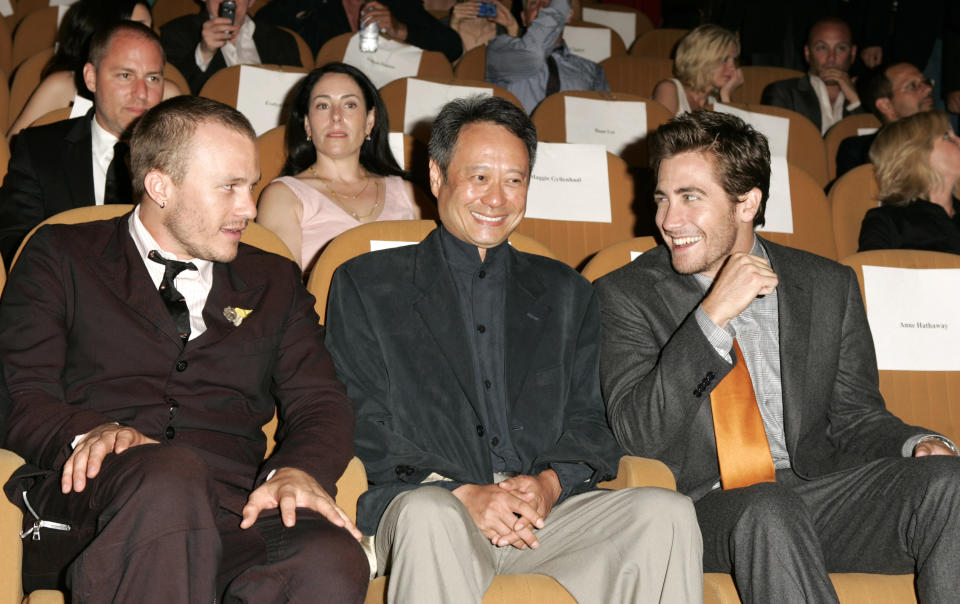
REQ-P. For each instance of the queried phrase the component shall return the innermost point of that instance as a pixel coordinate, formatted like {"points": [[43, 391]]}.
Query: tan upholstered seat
{"points": [[636, 75], [641, 22], [24, 82], [845, 128], [657, 43], [224, 85], [614, 256], [850, 198], [37, 31], [432, 63], [756, 78]]}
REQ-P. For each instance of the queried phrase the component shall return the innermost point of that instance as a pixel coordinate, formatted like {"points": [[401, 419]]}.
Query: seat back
{"points": [[224, 85], [22, 8], [924, 398], [25, 80], [165, 11], [550, 118], [306, 55], [614, 256], [812, 224], [756, 78], [850, 198], [37, 31], [6, 47], [171, 73], [50, 117], [432, 63], [610, 14], [617, 47], [805, 148], [356, 241], [636, 75], [472, 64], [845, 128], [657, 43]]}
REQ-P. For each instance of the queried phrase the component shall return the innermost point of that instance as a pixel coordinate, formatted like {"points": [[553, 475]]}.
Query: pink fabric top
{"points": [[323, 219]]}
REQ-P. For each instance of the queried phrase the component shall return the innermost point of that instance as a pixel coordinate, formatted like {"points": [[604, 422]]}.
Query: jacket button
{"points": [[710, 376], [181, 365], [169, 432], [173, 410], [479, 430]]}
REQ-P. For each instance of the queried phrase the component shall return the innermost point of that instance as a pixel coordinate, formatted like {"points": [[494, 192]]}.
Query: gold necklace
{"points": [[366, 184]]}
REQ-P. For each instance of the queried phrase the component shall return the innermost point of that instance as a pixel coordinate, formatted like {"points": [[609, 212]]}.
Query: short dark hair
{"points": [[161, 137], [461, 112], [874, 85], [741, 156], [831, 20], [100, 43], [375, 154]]}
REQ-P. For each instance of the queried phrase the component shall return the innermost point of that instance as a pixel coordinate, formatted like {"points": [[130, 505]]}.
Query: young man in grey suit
{"points": [[479, 419], [835, 483]]}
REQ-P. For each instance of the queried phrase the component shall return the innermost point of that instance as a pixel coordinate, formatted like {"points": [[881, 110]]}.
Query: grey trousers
{"points": [[631, 545]]}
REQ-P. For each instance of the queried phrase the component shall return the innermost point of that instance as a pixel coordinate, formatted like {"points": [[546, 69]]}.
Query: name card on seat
{"points": [[863, 131], [382, 244], [614, 124], [395, 140], [262, 95], [569, 182], [914, 317], [779, 210], [625, 24], [392, 61], [588, 42], [634, 255], [6, 9], [425, 99], [61, 3], [80, 106], [62, 7]]}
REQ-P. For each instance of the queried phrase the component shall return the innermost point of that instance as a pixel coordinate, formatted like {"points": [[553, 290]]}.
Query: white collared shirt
{"points": [[241, 51], [194, 285], [102, 151], [830, 113]]}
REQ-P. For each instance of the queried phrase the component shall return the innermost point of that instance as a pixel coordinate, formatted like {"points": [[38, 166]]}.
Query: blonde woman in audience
{"points": [[705, 68], [59, 84], [917, 166], [473, 21], [339, 170]]}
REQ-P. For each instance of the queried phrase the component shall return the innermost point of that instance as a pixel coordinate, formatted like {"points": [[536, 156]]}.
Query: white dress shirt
{"points": [[102, 149], [830, 113], [241, 51]]}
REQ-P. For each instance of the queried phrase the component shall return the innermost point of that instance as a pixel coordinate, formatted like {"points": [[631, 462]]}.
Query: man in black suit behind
{"points": [[200, 45], [141, 357], [70, 164], [474, 371]]}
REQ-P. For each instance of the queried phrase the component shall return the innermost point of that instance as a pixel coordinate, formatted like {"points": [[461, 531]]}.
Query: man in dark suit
{"points": [[890, 92], [200, 45], [70, 164], [141, 357], [826, 94], [474, 371], [749, 369]]}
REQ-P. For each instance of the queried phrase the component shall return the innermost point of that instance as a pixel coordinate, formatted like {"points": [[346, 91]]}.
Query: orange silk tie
{"points": [[742, 448]]}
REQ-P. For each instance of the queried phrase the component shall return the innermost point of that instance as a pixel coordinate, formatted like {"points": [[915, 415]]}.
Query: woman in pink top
{"points": [[339, 171]]}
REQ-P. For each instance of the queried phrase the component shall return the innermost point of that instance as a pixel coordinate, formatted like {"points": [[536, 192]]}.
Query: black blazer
{"points": [[50, 171], [399, 344], [797, 95], [181, 36], [854, 151]]}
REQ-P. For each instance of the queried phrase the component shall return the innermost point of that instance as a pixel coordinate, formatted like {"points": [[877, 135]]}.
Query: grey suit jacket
{"points": [[399, 344], [658, 369], [797, 95]]}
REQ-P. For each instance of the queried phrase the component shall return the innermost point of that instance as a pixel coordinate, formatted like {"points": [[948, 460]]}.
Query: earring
{"points": [[163, 204], [368, 138], [309, 138]]}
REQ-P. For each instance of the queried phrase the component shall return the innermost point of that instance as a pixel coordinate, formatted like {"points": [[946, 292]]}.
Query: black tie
{"points": [[118, 188], [176, 305], [553, 80]]}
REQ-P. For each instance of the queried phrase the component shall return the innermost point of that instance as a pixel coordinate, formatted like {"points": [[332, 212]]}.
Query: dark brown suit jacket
{"points": [[85, 339]]}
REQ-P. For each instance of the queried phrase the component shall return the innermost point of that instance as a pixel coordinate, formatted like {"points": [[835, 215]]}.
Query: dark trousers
{"points": [[148, 529], [890, 516]]}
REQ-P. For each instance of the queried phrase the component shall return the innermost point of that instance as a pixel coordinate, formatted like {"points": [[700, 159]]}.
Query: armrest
{"points": [[11, 550], [641, 472], [351, 485]]}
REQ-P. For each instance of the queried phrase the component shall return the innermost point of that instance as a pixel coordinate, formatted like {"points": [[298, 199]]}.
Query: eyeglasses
{"points": [[916, 85]]}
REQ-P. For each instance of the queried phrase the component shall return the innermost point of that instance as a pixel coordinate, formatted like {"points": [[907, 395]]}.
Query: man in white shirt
{"points": [[200, 45], [826, 94], [69, 164]]}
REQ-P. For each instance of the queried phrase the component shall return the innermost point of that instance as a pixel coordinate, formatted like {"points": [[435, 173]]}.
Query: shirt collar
{"points": [[463, 256], [102, 141], [756, 250], [145, 242]]}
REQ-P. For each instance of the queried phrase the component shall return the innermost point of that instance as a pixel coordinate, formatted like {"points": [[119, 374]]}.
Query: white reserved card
{"points": [[262, 94], [395, 140], [392, 61], [6, 9], [569, 182], [425, 99], [61, 3], [634, 255], [913, 317], [779, 211], [614, 124], [62, 8], [623, 23], [80, 106], [383, 244], [863, 131], [588, 42]]}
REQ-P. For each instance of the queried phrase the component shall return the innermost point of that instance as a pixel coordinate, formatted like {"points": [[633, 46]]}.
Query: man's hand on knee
{"points": [[89, 453], [501, 516], [289, 489], [541, 491]]}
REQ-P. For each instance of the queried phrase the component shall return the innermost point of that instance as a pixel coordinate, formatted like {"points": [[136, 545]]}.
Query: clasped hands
{"points": [[508, 512], [288, 489]]}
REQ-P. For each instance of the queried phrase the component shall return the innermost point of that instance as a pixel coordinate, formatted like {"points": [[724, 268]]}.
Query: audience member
{"points": [[62, 77], [139, 413], [826, 94], [706, 70], [890, 92], [474, 370], [200, 45], [75, 162], [917, 166], [476, 30], [538, 63], [404, 20], [340, 171], [749, 369]]}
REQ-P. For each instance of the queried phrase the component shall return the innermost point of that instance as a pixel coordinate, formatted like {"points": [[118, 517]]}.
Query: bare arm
{"points": [[281, 212], [56, 91], [666, 94]]}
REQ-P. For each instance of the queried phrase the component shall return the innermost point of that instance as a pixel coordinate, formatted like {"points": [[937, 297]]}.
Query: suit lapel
{"points": [[439, 312], [526, 316], [78, 162], [228, 290], [810, 99]]}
